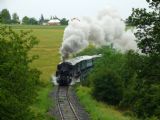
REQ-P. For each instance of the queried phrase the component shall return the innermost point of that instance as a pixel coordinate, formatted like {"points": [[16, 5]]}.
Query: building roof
{"points": [[54, 21], [76, 60]]}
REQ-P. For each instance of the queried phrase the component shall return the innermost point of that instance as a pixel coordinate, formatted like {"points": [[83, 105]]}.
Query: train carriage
{"points": [[75, 69]]}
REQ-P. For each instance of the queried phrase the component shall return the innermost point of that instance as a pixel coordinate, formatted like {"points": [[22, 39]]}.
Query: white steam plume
{"points": [[107, 28]]}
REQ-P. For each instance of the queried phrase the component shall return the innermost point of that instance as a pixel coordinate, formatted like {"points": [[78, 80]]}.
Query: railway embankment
{"points": [[99, 110]]}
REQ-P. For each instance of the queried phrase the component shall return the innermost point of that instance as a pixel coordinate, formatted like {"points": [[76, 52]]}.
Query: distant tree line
{"points": [[6, 18]]}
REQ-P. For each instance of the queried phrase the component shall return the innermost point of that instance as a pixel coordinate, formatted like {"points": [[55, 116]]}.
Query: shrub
{"points": [[108, 87], [105, 78]]}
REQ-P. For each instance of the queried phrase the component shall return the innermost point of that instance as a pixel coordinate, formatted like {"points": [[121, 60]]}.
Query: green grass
{"points": [[43, 104], [34, 27], [47, 49], [98, 110]]}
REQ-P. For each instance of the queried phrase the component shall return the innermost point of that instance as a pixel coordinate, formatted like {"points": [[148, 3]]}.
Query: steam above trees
{"points": [[105, 29]]}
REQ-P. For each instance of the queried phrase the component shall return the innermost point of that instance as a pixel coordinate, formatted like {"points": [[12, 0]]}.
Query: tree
{"points": [[33, 21], [108, 87], [64, 21], [0, 17], [15, 18], [5, 17], [105, 79], [148, 25], [148, 39], [25, 20], [41, 20], [18, 82], [51, 18], [29, 21]]}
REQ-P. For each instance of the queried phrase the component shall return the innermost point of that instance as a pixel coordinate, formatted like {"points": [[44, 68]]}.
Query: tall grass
{"points": [[98, 110], [42, 104]]}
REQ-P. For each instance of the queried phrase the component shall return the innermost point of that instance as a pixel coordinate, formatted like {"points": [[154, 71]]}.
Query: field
{"points": [[50, 39]]}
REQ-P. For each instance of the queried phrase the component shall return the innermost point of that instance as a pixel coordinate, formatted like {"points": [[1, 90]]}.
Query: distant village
{"points": [[7, 18]]}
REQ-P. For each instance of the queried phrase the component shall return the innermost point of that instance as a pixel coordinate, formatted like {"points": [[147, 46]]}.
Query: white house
{"points": [[54, 22]]}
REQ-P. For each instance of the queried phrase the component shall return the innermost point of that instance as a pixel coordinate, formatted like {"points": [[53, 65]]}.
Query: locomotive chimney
{"points": [[63, 59]]}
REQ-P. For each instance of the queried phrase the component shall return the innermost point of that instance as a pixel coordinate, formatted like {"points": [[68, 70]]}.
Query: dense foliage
{"points": [[18, 82], [64, 21], [147, 23], [29, 21], [15, 18], [123, 80], [5, 16]]}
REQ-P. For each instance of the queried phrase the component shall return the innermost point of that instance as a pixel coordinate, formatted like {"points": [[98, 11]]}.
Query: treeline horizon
{"points": [[7, 18]]}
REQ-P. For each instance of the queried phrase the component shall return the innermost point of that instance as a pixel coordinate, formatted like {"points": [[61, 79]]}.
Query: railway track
{"points": [[65, 107]]}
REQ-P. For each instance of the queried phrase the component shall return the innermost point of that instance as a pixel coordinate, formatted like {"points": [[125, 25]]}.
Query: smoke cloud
{"points": [[104, 29]]}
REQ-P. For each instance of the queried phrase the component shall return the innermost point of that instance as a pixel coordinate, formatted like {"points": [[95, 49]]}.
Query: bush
{"points": [[147, 103], [106, 83], [108, 87]]}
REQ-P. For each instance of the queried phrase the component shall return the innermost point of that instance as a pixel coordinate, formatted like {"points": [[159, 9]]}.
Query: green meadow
{"points": [[50, 38]]}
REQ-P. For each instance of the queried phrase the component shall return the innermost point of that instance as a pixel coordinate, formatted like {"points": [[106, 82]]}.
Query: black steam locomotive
{"points": [[74, 70]]}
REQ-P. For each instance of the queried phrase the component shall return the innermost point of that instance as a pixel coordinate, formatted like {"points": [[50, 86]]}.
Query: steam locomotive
{"points": [[74, 70]]}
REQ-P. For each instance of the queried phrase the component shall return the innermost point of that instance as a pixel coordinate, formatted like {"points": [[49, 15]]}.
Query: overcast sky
{"points": [[68, 8]]}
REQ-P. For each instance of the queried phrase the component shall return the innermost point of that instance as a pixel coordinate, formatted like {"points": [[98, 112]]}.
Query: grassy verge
{"points": [[98, 110], [43, 103]]}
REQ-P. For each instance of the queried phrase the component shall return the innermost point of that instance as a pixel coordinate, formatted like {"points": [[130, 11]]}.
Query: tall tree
{"points": [[41, 20], [148, 25], [64, 21], [25, 20], [15, 18], [5, 16], [33, 21], [18, 82], [148, 37], [0, 17], [51, 18]]}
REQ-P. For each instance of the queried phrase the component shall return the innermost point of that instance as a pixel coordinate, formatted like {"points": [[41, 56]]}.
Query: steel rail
{"points": [[66, 99]]}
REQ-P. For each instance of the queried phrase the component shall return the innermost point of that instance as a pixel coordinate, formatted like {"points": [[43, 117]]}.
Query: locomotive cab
{"points": [[63, 74]]}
